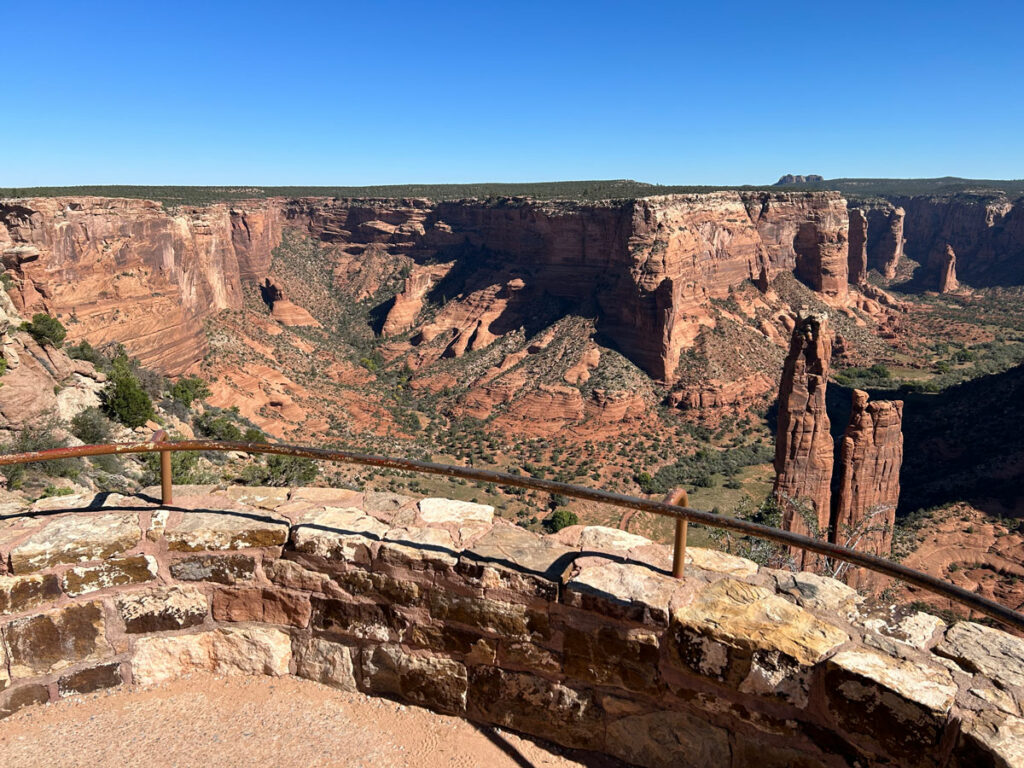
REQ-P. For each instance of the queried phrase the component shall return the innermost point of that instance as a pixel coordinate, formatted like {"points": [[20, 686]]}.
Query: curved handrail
{"points": [[960, 595]]}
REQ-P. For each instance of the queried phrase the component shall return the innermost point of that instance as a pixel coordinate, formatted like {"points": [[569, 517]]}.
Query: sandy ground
{"points": [[215, 721]]}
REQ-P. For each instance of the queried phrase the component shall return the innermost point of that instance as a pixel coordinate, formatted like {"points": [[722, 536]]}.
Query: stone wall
{"points": [[581, 638]]}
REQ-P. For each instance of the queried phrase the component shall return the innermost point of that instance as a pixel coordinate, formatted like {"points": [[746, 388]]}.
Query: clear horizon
{"points": [[400, 93]]}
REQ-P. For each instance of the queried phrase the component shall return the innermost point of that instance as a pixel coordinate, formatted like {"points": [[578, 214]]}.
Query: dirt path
{"points": [[212, 721]]}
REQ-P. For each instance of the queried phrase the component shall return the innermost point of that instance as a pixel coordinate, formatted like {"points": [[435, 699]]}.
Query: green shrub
{"points": [[559, 519], [3, 365], [45, 329], [83, 350], [124, 399], [40, 436], [281, 471], [183, 468], [188, 389], [91, 426], [253, 435], [7, 281], [216, 425]]}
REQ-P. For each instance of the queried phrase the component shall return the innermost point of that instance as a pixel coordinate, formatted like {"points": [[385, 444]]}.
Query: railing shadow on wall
{"points": [[675, 506]]}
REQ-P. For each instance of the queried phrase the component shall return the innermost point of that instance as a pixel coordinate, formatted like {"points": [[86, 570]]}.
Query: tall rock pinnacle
{"points": [[803, 446], [868, 488], [857, 259], [947, 276]]}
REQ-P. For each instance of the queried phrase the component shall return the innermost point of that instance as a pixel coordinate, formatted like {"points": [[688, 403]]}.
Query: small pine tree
{"points": [[124, 399], [46, 330]]}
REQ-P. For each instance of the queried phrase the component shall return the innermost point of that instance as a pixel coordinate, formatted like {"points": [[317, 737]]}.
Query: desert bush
{"points": [[188, 389], [40, 436], [124, 398], [217, 424], [281, 471], [45, 329], [559, 519], [91, 426]]}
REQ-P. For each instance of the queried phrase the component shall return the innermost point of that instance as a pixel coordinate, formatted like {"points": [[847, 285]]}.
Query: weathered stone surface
{"points": [[256, 496], [362, 620], [885, 239], [56, 640], [76, 539], [857, 261], [23, 696], [163, 609], [21, 593], [751, 639], [899, 625], [598, 538], [817, 592], [326, 662], [661, 739], [868, 490], [512, 546], [221, 569], [504, 619], [270, 606], [717, 561], [441, 511], [532, 704], [89, 680], [338, 534], [436, 683], [230, 651], [210, 530], [328, 497], [894, 705], [419, 548], [115, 572], [978, 648], [610, 656], [803, 444], [990, 741], [622, 590]]}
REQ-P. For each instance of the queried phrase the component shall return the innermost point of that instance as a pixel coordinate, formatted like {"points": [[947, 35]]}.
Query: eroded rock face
{"points": [[803, 445], [857, 263], [868, 491], [885, 239], [231, 651]]}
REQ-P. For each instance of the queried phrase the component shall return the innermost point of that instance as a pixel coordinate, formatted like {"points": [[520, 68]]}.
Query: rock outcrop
{"points": [[803, 445], [885, 238], [947, 275], [580, 639], [858, 255], [283, 309], [408, 303], [868, 488]]}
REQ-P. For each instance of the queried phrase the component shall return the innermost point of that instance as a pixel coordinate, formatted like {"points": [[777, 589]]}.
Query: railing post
{"points": [[679, 498], [166, 487]]}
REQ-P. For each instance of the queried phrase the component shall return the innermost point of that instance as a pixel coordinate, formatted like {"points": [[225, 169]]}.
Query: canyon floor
{"points": [[211, 721]]}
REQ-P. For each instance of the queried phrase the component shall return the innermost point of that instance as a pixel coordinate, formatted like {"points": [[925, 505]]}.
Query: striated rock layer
{"points": [[868, 489], [128, 270], [803, 446]]}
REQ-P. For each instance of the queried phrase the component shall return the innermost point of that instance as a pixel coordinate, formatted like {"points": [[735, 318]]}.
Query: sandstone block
{"points": [[162, 610], [224, 651], [418, 548], [459, 513], [199, 531], [623, 658], [598, 538], [270, 606], [817, 592], [76, 539], [221, 569], [750, 638], [660, 739], [114, 572], [720, 562], [623, 591], [326, 662], [22, 593], [439, 684], [990, 740], [538, 706], [378, 585], [504, 619], [356, 619], [978, 648], [522, 550], [256, 496], [23, 696], [56, 640], [894, 705], [347, 535], [89, 680]]}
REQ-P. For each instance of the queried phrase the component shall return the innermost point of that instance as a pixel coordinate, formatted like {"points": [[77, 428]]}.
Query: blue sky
{"points": [[312, 93]]}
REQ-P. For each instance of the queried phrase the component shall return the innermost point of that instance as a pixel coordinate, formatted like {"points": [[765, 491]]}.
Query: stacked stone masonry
{"points": [[581, 638]]}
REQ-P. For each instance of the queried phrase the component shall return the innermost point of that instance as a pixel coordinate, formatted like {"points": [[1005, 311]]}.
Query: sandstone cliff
{"points": [[803, 446], [868, 489], [858, 255], [127, 270], [885, 238]]}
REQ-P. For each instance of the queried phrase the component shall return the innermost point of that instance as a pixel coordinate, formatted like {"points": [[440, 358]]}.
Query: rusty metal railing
{"points": [[674, 506]]}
